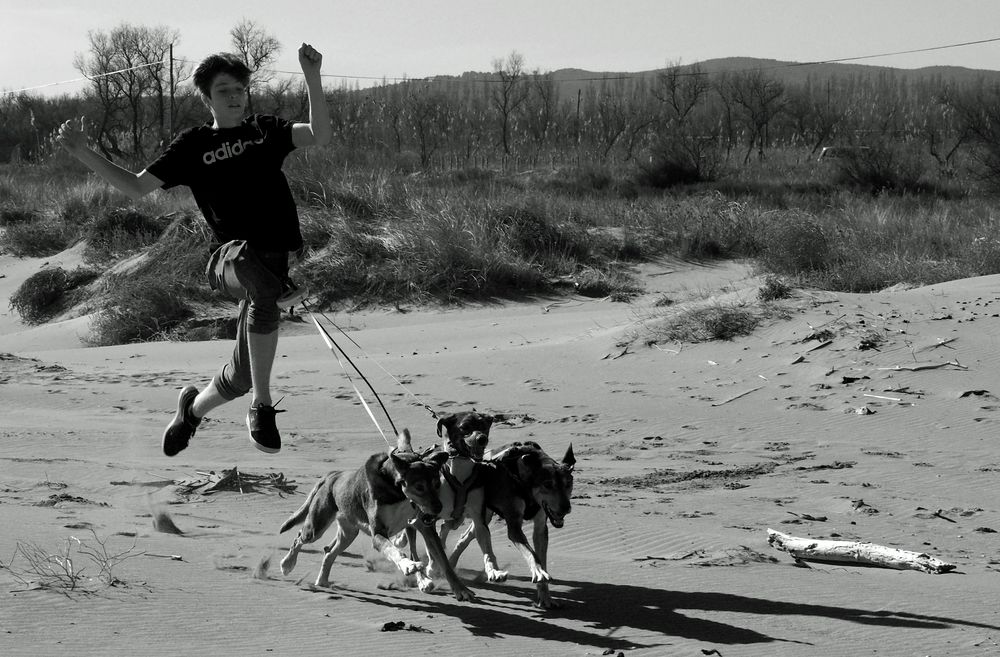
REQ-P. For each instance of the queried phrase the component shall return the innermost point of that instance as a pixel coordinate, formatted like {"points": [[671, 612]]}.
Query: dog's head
{"points": [[468, 432], [418, 475], [551, 482]]}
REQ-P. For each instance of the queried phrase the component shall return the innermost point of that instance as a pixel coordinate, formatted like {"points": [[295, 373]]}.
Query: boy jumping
{"points": [[233, 168]]}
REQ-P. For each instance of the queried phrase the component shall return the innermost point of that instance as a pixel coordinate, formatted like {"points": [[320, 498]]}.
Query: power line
{"points": [[901, 52], [86, 77], [586, 79]]}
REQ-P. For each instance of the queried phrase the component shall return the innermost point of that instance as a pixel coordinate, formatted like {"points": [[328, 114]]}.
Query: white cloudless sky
{"points": [[418, 38]]}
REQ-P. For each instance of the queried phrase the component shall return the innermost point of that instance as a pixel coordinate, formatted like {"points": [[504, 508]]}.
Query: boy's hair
{"points": [[221, 62]]}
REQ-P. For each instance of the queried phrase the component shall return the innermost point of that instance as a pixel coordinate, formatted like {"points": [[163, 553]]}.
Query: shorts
{"points": [[254, 278], [246, 274]]}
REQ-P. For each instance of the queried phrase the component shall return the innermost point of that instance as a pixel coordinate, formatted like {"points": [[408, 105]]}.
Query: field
{"points": [[774, 350]]}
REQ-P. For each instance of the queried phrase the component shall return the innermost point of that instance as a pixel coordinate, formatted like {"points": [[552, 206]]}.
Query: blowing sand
{"points": [[686, 455]]}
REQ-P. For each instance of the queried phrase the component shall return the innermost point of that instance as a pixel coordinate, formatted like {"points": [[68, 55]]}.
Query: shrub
{"points": [[793, 244], [529, 233], [35, 298], [12, 216], [883, 167], [119, 231], [719, 322], [180, 254], [47, 292], [137, 309], [614, 284], [85, 202], [36, 239], [774, 288], [681, 160]]}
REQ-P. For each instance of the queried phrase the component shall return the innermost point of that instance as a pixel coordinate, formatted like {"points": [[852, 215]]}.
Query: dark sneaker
{"points": [[263, 432], [291, 294], [184, 424]]}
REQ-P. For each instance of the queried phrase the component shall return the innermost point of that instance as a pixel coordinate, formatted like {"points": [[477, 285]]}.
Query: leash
{"points": [[339, 352], [367, 355]]}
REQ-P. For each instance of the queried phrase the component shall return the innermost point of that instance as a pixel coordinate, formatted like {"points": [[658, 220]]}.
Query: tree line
{"points": [[682, 120]]}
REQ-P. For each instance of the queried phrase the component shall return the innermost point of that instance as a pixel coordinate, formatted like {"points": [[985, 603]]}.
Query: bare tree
{"points": [[976, 112], [508, 93], [429, 115], [127, 67], [258, 49], [760, 99], [540, 108], [680, 92]]}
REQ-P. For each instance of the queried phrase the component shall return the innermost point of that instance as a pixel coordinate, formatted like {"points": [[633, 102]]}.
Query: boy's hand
{"points": [[310, 59], [71, 135]]}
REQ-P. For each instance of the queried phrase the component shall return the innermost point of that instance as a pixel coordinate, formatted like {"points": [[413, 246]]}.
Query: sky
{"points": [[367, 40]]}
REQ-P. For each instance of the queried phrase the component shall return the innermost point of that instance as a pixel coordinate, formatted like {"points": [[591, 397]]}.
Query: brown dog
{"points": [[381, 498], [521, 483]]}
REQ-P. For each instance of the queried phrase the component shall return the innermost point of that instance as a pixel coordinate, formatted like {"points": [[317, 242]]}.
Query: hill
{"points": [[572, 80]]}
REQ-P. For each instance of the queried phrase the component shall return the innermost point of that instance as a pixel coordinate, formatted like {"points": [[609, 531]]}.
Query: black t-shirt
{"points": [[236, 178]]}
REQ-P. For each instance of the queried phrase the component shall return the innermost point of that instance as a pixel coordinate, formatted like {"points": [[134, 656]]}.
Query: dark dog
{"points": [[521, 483], [383, 497], [467, 435]]}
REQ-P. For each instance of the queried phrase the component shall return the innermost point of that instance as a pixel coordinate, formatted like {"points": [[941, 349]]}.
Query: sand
{"points": [[686, 455]]}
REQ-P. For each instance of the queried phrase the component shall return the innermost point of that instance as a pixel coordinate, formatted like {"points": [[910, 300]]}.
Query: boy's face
{"points": [[227, 100]]}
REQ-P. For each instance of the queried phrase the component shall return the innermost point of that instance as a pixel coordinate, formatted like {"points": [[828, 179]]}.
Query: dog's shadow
{"points": [[605, 608]]}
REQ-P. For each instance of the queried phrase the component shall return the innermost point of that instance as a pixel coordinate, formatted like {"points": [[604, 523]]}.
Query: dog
{"points": [[521, 483], [389, 493], [466, 434]]}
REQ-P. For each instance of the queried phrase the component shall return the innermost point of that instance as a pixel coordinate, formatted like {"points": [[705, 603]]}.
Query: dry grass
{"points": [[380, 238]]}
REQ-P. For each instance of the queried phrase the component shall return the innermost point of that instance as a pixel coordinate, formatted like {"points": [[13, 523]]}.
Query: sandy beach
{"points": [[686, 455]]}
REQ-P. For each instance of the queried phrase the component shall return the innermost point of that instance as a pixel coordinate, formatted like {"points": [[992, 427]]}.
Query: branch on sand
{"points": [[857, 552], [916, 367], [234, 480]]}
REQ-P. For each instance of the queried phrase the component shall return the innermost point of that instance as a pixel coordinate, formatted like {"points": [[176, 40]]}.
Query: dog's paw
{"points": [[496, 575], [287, 564], [408, 566], [322, 583], [545, 601], [464, 593], [538, 574], [425, 584]]}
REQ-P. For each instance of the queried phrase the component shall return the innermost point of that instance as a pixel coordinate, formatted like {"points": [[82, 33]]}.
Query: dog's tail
{"points": [[300, 515]]}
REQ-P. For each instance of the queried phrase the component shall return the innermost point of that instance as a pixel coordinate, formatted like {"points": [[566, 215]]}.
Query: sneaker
{"points": [[263, 432], [184, 424], [291, 294]]}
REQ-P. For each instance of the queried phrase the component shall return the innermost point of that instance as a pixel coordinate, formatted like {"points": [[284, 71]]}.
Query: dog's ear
{"points": [[445, 421], [403, 441], [438, 459], [399, 464], [569, 460], [528, 463]]}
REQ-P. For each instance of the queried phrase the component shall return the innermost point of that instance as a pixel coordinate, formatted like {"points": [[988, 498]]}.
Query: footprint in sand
{"points": [[537, 385]]}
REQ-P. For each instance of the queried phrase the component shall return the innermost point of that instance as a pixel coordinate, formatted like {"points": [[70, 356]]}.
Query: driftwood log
{"points": [[857, 552]]}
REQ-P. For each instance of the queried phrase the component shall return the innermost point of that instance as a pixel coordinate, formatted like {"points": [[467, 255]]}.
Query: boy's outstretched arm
{"points": [[318, 130], [135, 186]]}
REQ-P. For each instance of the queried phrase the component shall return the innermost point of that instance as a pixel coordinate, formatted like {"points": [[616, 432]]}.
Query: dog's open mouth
{"points": [[557, 519]]}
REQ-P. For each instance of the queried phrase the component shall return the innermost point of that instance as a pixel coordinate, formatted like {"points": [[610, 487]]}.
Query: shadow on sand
{"points": [[594, 612]]}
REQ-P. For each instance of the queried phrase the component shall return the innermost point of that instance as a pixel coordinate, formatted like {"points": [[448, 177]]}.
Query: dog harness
{"points": [[460, 488]]}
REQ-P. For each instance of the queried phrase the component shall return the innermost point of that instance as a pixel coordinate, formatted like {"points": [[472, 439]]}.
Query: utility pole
{"points": [[171, 124], [579, 95]]}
